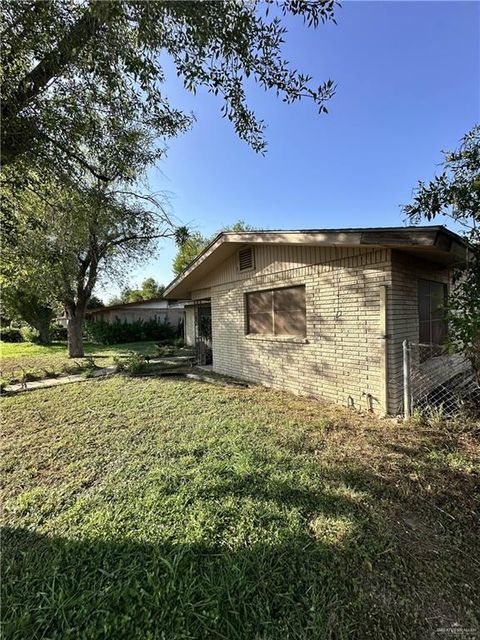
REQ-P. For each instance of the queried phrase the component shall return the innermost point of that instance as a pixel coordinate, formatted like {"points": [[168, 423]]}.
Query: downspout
{"points": [[384, 349]]}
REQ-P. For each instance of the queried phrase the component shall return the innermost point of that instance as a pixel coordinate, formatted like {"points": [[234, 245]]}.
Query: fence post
{"points": [[407, 381]]}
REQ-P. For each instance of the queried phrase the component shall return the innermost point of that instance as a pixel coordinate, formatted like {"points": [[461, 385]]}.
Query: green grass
{"points": [[53, 358], [153, 508]]}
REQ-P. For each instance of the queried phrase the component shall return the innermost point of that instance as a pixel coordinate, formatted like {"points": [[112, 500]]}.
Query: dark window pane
{"points": [[424, 332], [292, 299], [260, 302], [260, 323], [423, 288], [424, 309], [437, 300], [290, 323], [439, 332], [280, 311], [432, 299]]}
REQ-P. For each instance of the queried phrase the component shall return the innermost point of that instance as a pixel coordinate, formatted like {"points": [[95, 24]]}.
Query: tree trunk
{"points": [[75, 324], [43, 329]]}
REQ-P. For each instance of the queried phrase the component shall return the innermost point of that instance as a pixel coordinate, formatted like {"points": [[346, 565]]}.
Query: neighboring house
{"points": [[158, 309], [323, 312]]}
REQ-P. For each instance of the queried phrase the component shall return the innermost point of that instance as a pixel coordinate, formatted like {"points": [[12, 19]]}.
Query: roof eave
{"points": [[434, 237]]}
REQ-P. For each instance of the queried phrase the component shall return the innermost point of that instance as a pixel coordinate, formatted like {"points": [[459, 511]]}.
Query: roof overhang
{"points": [[433, 243]]}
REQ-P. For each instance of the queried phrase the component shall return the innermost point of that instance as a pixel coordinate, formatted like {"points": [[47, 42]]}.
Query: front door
{"points": [[203, 333]]}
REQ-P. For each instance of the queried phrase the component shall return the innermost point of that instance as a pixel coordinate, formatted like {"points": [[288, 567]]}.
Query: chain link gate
{"points": [[436, 381]]}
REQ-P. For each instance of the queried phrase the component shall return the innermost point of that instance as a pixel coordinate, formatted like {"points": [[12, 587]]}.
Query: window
{"points": [[432, 297], [277, 312], [245, 259]]}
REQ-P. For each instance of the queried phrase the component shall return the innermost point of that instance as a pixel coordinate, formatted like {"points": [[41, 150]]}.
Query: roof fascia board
{"points": [[429, 236]]}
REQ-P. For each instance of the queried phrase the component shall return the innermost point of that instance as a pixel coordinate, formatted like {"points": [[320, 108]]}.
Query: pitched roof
{"points": [[435, 242]]}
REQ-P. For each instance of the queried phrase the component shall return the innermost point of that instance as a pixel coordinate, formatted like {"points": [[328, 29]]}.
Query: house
{"points": [[323, 312], [158, 309]]}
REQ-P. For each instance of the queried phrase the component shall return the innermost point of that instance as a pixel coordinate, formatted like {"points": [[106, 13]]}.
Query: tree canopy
{"points": [[69, 240], [148, 289], [195, 243], [85, 112], [95, 303], [92, 73], [455, 193]]}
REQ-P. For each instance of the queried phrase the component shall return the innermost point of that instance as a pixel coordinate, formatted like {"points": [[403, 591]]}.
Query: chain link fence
{"points": [[437, 381]]}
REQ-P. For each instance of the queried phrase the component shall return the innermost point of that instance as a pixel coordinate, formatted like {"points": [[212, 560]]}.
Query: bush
{"points": [[132, 363], [58, 332], [118, 332], [29, 334], [9, 334]]}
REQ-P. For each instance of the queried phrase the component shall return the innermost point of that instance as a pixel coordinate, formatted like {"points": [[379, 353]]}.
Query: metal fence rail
{"points": [[436, 381]]}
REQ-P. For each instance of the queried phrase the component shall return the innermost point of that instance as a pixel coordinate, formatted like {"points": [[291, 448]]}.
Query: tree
{"points": [[26, 287], [79, 236], [95, 303], [188, 251], [149, 289], [195, 243], [24, 304], [88, 74], [456, 193]]}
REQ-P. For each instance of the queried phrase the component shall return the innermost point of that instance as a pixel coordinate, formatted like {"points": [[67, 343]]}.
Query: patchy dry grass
{"points": [[49, 361], [147, 508]]}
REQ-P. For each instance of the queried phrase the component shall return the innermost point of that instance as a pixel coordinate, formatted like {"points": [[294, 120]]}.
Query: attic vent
{"points": [[245, 259]]}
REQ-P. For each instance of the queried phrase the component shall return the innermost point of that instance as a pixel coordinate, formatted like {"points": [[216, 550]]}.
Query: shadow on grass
{"points": [[200, 536], [338, 572]]}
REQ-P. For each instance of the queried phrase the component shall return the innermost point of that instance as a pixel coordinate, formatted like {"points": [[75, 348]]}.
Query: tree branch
{"points": [[97, 14]]}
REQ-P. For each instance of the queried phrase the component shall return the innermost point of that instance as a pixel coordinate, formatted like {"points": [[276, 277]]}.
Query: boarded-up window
{"points": [[277, 311], [432, 298]]}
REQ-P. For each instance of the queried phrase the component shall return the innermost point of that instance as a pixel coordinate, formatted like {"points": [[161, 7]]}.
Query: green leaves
{"points": [[456, 194], [456, 191], [83, 75]]}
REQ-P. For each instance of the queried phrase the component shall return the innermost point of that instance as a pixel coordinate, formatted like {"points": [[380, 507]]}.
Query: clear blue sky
{"points": [[408, 85]]}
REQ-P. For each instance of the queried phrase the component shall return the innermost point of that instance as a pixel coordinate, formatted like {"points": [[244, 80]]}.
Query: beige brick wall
{"points": [[403, 325], [341, 356], [344, 356]]}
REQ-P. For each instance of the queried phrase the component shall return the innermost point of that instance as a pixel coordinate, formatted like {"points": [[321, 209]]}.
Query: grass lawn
{"points": [[171, 509], [34, 357]]}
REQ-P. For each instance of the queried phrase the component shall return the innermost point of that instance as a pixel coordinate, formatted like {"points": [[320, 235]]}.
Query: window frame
{"points": [[273, 334], [435, 347]]}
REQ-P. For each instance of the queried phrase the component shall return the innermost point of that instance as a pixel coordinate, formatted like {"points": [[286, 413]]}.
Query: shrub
{"points": [[118, 332], [31, 375], [132, 363], [165, 350], [9, 334], [58, 332], [50, 373], [29, 334], [89, 368]]}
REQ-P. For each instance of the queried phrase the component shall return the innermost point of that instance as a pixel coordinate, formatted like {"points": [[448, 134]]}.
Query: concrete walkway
{"points": [[46, 383], [102, 372]]}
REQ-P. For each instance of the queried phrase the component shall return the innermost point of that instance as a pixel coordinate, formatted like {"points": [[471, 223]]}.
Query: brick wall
{"points": [[341, 357], [344, 356], [403, 325]]}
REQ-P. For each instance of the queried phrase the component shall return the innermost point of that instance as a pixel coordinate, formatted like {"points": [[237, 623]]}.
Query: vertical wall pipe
{"points": [[407, 381]]}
